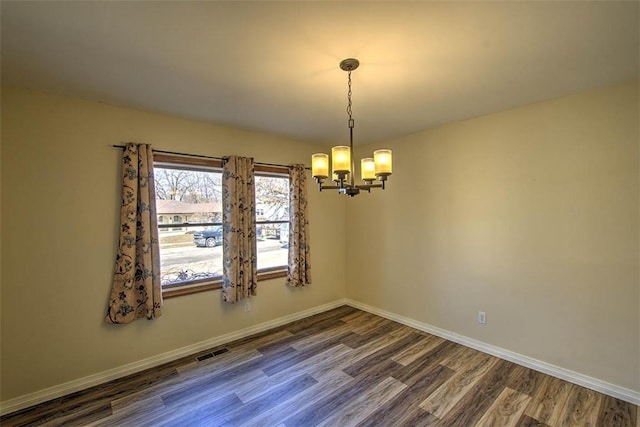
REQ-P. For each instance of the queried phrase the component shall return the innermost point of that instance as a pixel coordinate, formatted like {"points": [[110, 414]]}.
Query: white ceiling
{"points": [[273, 66]]}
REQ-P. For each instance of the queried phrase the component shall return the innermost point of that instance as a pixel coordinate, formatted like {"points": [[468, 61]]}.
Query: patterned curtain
{"points": [[239, 271], [136, 292], [299, 272]]}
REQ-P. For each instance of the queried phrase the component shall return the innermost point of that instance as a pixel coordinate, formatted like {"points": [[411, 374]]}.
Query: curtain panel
{"points": [[239, 270], [299, 271], [136, 291]]}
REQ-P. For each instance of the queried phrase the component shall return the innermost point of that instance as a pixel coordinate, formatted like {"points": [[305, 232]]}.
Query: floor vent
{"points": [[204, 357], [210, 355], [222, 350]]}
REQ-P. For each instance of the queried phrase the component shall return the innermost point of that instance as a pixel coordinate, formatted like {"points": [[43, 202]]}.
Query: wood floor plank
{"points": [[382, 354], [525, 380], [98, 395], [280, 393], [506, 411], [339, 312], [317, 327], [274, 347], [305, 399], [359, 318], [313, 324], [200, 392], [582, 408], [81, 417], [416, 417], [315, 363], [138, 414], [440, 402], [329, 360], [369, 325], [413, 371], [357, 340], [208, 368], [548, 402], [483, 394], [355, 315], [372, 346], [526, 421], [418, 349], [272, 358], [343, 367], [341, 397], [282, 363], [324, 371], [305, 342], [192, 391], [402, 410], [202, 415], [617, 413], [460, 358], [365, 403]]}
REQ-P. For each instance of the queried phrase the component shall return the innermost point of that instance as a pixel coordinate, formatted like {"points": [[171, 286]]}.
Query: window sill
{"points": [[172, 291]]}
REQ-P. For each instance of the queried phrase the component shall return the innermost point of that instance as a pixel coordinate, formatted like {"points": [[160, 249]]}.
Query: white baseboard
{"points": [[60, 390], [613, 390]]}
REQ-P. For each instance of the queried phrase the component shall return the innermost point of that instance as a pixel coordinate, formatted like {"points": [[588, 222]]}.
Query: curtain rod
{"points": [[208, 157]]}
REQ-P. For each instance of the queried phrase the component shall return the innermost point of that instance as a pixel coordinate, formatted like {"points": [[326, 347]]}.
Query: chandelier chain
{"points": [[349, 111]]}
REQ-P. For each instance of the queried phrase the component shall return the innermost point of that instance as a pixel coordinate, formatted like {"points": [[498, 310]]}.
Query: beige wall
{"points": [[60, 200], [530, 215]]}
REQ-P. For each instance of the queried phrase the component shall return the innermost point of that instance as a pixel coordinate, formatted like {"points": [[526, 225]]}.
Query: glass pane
{"points": [[273, 245], [272, 198], [190, 255], [189, 252], [272, 204]]}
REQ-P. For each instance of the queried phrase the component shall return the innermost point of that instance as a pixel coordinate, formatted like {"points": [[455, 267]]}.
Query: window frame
{"points": [[197, 163]]}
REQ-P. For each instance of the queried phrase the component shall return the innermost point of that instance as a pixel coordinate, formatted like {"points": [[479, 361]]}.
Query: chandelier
{"points": [[343, 166]]}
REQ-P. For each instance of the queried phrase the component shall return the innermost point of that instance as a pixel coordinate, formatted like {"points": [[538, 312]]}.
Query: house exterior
{"points": [[179, 212]]}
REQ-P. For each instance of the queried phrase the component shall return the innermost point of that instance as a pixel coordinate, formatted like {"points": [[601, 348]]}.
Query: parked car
{"points": [[210, 237]]}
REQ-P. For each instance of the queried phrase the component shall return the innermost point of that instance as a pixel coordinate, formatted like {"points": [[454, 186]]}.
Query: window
{"points": [[272, 201], [189, 192]]}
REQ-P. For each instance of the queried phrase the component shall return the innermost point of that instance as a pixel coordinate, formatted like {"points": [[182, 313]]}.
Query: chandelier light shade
{"points": [[320, 165], [368, 170], [382, 159], [341, 159], [342, 162]]}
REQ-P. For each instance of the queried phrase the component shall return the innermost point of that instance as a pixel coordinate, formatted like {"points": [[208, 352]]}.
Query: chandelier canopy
{"points": [[343, 166]]}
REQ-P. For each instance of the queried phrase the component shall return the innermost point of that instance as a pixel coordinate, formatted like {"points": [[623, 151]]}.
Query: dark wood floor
{"points": [[344, 367]]}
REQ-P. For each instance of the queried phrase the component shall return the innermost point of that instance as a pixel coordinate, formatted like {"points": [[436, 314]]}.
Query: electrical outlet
{"points": [[482, 317], [247, 305]]}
